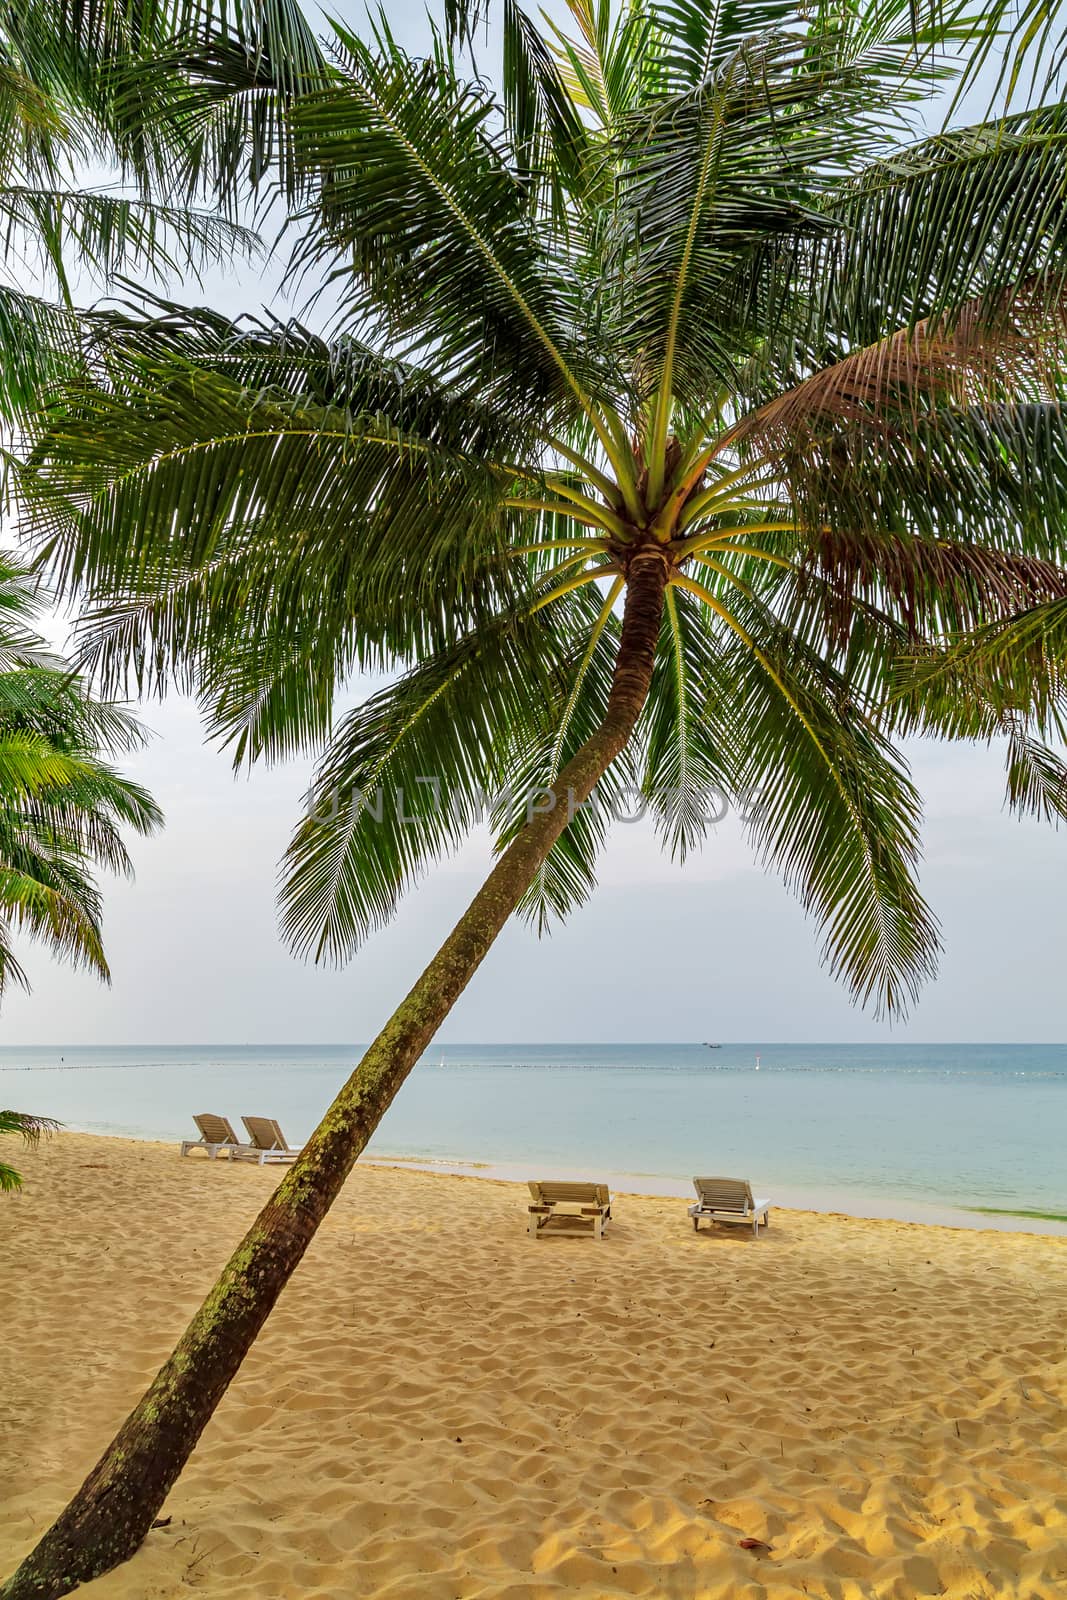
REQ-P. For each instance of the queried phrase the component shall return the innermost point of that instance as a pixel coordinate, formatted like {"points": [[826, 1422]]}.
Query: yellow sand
{"points": [[441, 1409]]}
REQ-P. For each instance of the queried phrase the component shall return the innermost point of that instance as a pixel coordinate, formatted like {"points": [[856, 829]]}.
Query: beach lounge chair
{"points": [[266, 1142], [568, 1205], [215, 1135], [728, 1200]]}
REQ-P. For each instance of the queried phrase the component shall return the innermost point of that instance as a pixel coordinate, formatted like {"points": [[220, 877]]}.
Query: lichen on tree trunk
{"points": [[111, 1513]]}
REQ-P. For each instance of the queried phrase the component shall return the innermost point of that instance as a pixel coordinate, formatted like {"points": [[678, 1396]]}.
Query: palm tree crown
{"points": [[692, 289]]}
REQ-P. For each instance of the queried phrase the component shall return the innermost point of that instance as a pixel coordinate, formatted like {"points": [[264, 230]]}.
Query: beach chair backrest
{"points": [[553, 1193], [215, 1130], [724, 1194], [264, 1133]]}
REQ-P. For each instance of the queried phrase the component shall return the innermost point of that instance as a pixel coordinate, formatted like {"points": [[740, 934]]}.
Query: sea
{"points": [[919, 1132]]}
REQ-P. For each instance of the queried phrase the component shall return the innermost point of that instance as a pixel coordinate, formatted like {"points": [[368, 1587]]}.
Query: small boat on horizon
{"points": [[708, 1046]]}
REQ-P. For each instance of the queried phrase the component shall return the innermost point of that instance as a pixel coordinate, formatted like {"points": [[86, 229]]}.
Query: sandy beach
{"points": [[440, 1408]]}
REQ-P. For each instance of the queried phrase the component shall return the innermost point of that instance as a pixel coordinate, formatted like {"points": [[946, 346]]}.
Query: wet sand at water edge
{"points": [[442, 1409]]}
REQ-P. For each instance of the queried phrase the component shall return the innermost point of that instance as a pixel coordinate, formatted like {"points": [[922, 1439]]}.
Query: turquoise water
{"points": [[939, 1125]]}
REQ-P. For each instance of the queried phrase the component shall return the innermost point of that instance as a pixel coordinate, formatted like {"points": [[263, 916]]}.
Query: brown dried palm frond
{"points": [[877, 449], [996, 348], [936, 586]]}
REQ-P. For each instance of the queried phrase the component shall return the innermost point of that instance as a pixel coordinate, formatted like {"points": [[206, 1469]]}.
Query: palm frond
{"points": [[610, 69], [573, 706], [238, 502], [422, 218], [686, 778], [1037, 777], [721, 203], [553, 151], [405, 777], [190, 99], [695, 39], [1000, 347], [40, 348], [27, 1126], [108, 234], [829, 804], [975, 214]]}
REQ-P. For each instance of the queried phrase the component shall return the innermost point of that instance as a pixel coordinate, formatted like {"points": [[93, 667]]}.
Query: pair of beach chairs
{"points": [[265, 1142], [586, 1207]]}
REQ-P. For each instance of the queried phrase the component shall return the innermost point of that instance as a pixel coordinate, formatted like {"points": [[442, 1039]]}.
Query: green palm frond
{"points": [[50, 904], [724, 190], [552, 146], [31, 1129], [206, 114], [829, 805], [111, 234], [572, 710], [695, 40], [422, 218], [39, 347], [27, 1126], [686, 777], [1037, 776], [405, 778], [609, 66], [973, 212], [286, 497], [1016, 665], [189, 99]]}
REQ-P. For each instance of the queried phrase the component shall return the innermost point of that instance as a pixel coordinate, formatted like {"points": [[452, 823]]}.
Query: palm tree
{"points": [[30, 1128], [680, 405], [62, 805], [62, 808]]}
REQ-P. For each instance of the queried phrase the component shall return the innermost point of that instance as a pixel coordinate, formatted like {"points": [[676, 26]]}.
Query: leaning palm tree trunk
{"points": [[111, 1513]]}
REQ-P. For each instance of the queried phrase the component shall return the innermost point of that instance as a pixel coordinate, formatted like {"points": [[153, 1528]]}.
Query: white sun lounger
{"points": [[215, 1135], [728, 1200], [562, 1206]]}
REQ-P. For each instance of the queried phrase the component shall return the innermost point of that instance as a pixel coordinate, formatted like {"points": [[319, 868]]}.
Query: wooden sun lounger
{"points": [[266, 1142], [215, 1135], [568, 1205], [728, 1200]]}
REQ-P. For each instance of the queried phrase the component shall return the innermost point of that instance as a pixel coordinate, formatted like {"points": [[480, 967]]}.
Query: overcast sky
{"points": [[715, 951]]}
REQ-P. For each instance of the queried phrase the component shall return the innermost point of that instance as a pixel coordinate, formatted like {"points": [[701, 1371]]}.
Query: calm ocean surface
{"points": [[891, 1129]]}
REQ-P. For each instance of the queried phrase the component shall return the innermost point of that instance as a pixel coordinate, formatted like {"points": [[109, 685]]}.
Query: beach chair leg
{"points": [[598, 1227]]}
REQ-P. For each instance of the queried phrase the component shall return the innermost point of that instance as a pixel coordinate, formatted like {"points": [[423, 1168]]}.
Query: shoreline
{"points": [[819, 1200]]}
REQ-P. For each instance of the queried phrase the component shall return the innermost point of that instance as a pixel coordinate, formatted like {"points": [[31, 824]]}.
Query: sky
{"points": [[715, 950]]}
